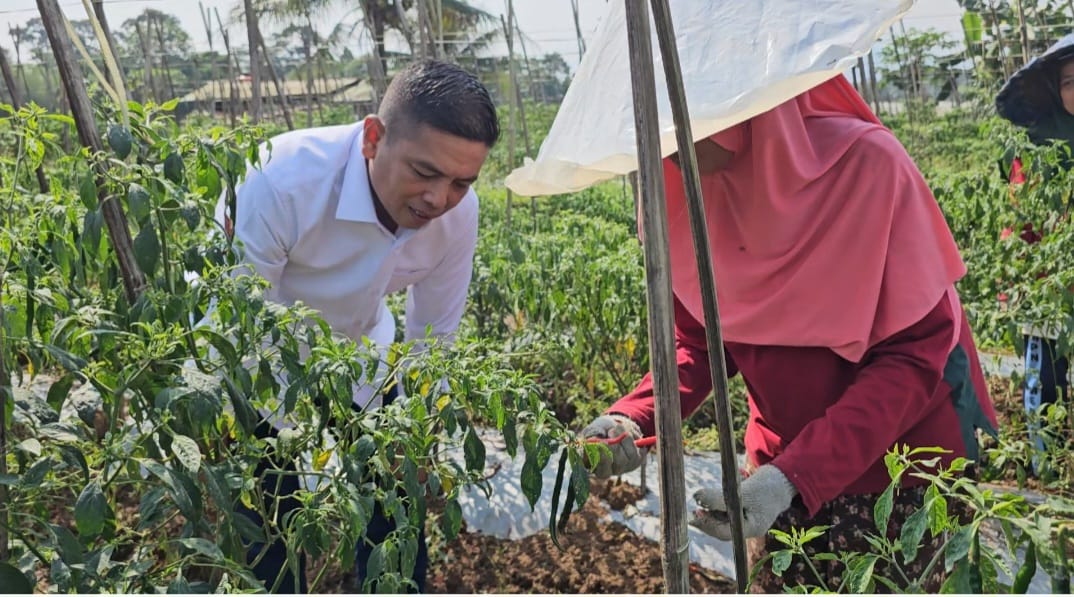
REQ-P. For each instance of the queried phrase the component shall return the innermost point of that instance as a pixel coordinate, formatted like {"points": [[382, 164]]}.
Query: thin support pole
{"points": [[674, 541], [665, 30]]}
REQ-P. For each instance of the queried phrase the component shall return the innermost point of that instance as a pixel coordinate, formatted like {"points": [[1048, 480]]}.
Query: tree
{"points": [[153, 44]]}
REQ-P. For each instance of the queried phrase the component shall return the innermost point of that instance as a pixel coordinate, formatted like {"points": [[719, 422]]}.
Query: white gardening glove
{"points": [[625, 455], [765, 495]]}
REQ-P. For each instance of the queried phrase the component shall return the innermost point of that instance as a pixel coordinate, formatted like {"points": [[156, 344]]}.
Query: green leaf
{"points": [[972, 26], [169, 105], [510, 437], [60, 575], [531, 480], [92, 224], [176, 488], [147, 249], [408, 556], [14, 581], [474, 450], [37, 472], [87, 191], [70, 550], [9, 480], [912, 532], [139, 203], [74, 457], [580, 483], [958, 547], [861, 573], [781, 561], [59, 390], [375, 565], [882, 510], [496, 410], [204, 547], [66, 360], [91, 511], [187, 451], [452, 519]]}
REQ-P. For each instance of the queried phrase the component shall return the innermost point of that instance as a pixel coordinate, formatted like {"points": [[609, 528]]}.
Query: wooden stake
{"points": [[872, 84], [255, 62], [1023, 30], [82, 111], [674, 542], [214, 74], [578, 30], [280, 92], [669, 421], [150, 81], [98, 11], [16, 102], [232, 66], [510, 111], [164, 56]]}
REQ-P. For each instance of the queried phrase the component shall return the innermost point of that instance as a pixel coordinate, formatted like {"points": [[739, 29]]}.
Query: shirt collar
{"points": [[355, 195]]}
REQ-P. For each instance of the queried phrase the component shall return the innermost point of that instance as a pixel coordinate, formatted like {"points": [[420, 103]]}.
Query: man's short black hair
{"points": [[443, 96]]}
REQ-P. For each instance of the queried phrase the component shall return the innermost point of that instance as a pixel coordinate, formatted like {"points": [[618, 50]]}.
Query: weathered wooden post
{"points": [[82, 111], [674, 541], [665, 30]]}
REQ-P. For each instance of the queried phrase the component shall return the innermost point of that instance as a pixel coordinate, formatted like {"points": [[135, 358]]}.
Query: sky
{"points": [[547, 25]]}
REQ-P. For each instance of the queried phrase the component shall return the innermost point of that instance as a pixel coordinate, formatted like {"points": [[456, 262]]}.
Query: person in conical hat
{"points": [[1039, 97]]}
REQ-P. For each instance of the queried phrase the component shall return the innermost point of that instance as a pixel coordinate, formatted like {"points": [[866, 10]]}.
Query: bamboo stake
{"points": [[872, 84], [98, 11], [150, 80], [232, 68], [674, 542], [16, 102], [164, 56], [578, 30], [665, 30], [5, 395], [215, 90], [1023, 31], [510, 114], [82, 111], [280, 92]]}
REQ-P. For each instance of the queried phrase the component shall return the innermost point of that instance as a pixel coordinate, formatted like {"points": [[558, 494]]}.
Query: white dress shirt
{"points": [[307, 224]]}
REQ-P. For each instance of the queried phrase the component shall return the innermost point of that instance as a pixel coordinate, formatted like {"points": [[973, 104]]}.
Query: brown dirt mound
{"points": [[597, 557]]}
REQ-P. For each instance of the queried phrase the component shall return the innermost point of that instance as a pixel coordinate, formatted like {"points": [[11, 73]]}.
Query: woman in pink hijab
{"points": [[836, 276]]}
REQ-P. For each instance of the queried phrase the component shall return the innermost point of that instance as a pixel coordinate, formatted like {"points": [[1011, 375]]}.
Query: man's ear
{"points": [[372, 136]]}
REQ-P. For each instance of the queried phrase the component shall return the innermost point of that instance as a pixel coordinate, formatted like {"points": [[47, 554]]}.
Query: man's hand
{"points": [[625, 455], [765, 495]]}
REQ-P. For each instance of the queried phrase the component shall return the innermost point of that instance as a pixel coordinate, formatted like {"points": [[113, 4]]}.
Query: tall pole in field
{"points": [[255, 62], [665, 31], [674, 541], [82, 111]]}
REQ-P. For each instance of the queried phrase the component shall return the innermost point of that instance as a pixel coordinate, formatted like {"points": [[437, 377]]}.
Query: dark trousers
{"points": [[274, 562], [1050, 381]]}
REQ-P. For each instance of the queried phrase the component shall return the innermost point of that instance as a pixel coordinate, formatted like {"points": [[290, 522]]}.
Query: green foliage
{"points": [[166, 393]]}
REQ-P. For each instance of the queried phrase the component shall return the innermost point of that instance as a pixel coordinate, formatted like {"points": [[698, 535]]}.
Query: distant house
{"points": [[220, 95]]}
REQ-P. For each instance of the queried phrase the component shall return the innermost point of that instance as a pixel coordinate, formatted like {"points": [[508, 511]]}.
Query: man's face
{"points": [[419, 173], [1066, 86]]}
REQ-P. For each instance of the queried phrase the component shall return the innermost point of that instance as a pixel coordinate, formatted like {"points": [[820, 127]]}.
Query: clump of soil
{"points": [[597, 557], [618, 494]]}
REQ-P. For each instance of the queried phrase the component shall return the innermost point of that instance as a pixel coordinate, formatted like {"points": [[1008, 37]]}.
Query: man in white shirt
{"points": [[339, 217]]}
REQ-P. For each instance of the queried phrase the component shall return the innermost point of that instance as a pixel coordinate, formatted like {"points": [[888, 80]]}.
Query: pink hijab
{"points": [[819, 235]]}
